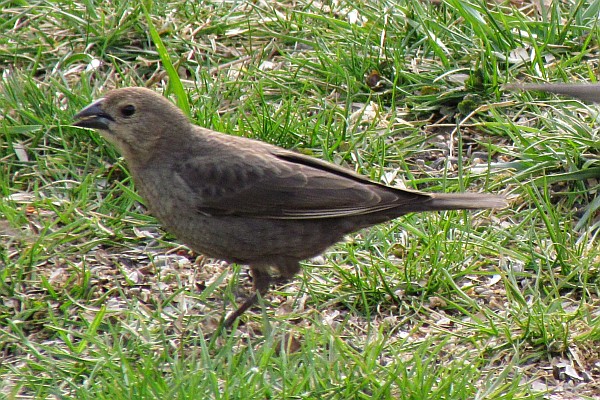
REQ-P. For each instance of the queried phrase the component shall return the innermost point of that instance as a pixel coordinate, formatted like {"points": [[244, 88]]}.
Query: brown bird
{"points": [[583, 91], [242, 200]]}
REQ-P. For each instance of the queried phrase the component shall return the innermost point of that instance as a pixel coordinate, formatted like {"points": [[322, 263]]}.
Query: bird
{"points": [[242, 200], [589, 92]]}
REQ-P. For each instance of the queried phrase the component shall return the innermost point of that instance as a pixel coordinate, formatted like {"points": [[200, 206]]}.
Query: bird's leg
{"points": [[261, 281], [287, 270]]}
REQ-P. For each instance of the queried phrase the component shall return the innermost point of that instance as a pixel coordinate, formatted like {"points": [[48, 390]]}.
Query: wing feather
{"points": [[280, 184]]}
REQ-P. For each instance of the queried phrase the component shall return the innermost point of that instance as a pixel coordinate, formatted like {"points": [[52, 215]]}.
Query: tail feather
{"points": [[463, 201], [586, 91], [428, 202]]}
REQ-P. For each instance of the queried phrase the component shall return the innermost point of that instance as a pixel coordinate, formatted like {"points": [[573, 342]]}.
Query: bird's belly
{"points": [[254, 240]]}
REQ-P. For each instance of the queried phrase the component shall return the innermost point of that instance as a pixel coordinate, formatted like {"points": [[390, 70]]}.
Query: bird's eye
{"points": [[128, 110]]}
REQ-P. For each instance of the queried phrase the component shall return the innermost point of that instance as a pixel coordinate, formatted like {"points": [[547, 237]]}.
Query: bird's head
{"points": [[133, 119]]}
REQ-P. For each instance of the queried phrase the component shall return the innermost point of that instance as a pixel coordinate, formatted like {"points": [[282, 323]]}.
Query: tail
{"points": [[422, 202], [583, 91], [461, 201]]}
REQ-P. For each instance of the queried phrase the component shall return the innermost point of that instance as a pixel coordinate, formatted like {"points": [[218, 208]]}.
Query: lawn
{"points": [[98, 302]]}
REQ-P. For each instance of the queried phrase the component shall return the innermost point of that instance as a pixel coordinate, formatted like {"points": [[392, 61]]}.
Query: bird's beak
{"points": [[93, 116]]}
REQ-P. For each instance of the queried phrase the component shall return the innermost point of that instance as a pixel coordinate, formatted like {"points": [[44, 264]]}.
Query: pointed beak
{"points": [[93, 116]]}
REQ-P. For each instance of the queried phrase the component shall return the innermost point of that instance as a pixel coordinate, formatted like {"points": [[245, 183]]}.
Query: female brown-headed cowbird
{"points": [[242, 200]]}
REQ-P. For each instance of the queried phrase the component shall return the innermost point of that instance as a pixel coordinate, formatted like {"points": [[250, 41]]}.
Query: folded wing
{"points": [[280, 184]]}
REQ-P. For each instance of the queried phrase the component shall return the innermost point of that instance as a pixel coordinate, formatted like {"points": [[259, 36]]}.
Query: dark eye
{"points": [[128, 110]]}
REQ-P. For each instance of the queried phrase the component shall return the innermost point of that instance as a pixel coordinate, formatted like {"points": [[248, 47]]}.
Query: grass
{"points": [[99, 302]]}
